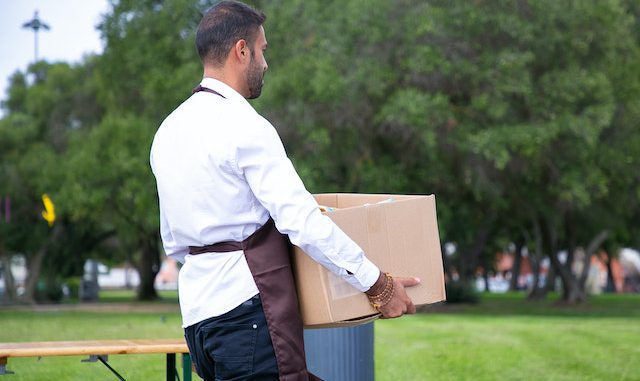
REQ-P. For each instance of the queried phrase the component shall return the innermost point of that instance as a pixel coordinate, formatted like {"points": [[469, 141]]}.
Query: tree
{"points": [[520, 116], [493, 106], [144, 72], [108, 182], [33, 136], [548, 120]]}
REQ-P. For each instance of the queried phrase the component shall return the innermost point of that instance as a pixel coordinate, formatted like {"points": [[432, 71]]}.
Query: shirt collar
{"points": [[221, 87]]}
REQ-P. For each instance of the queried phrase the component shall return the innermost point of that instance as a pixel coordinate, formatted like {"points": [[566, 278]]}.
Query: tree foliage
{"points": [[519, 115]]}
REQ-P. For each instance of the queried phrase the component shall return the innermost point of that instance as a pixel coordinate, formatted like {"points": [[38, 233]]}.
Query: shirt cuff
{"points": [[366, 275], [178, 254]]}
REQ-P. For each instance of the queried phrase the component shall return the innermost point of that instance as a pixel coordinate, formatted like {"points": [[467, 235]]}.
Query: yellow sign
{"points": [[49, 213]]}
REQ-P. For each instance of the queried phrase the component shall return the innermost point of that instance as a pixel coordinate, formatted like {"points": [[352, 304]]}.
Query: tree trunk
{"points": [[540, 291], [571, 291], [517, 262], [535, 268], [537, 291], [485, 277], [594, 245], [34, 266], [9, 295], [611, 283], [550, 283], [574, 287], [446, 262], [469, 262], [574, 293], [148, 267]]}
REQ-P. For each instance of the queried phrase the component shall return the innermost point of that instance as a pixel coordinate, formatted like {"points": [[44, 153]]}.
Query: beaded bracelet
{"points": [[379, 300]]}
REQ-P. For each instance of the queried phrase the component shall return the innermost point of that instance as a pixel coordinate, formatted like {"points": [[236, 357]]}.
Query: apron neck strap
{"points": [[208, 90]]}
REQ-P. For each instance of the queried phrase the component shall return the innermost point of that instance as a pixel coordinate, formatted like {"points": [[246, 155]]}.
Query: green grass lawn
{"points": [[507, 338], [502, 338]]}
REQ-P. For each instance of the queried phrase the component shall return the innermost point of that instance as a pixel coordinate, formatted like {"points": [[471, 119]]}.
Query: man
{"points": [[228, 195]]}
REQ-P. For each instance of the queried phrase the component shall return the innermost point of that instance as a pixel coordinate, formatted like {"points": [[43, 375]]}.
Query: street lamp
{"points": [[35, 24]]}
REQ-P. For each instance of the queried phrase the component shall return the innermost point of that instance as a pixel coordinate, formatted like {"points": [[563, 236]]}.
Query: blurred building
{"points": [[625, 271], [126, 276]]}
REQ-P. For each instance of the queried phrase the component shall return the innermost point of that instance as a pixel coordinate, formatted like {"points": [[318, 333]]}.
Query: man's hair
{"points": [[222, 26]]}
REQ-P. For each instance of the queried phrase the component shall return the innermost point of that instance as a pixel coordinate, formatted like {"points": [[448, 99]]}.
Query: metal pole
{"points": [[35, 44], [35, 24], [186, 367], [171, 367], [340, 354]]}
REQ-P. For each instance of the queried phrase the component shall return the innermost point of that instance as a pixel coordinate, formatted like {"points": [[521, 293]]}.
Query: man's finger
{"points": [[409, 282], [411, 308]]}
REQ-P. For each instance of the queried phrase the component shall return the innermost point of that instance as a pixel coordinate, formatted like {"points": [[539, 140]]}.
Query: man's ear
{"points": [[241, 50]]}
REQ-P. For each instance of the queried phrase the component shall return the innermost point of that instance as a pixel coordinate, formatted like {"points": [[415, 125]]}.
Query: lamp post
{"points": [[35, 24]]}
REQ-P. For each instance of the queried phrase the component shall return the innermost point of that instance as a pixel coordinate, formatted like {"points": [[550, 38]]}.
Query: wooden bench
{"points": [[98, 350]]}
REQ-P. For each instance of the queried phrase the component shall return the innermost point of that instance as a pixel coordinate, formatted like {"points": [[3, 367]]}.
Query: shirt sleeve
{"points": [[171, 247], [261, 159]]}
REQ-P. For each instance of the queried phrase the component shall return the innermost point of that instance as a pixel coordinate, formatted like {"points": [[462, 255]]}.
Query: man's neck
{"points": [[222, 75]]}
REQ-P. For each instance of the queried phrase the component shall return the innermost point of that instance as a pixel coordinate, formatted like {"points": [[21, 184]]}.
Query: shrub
{"points": [[461, 292]]}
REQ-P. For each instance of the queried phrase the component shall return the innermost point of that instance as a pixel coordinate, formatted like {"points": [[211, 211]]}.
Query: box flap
{"points": [[351, 200]]}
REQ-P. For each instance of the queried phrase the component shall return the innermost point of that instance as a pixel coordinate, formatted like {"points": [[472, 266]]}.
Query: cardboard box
{"points": [[398, 233]]}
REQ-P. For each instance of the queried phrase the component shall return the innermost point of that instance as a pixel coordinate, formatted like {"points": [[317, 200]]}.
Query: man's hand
{"points": [[400, 302]]}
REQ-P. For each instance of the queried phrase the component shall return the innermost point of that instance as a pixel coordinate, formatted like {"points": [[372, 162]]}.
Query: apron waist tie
{"points": [[220, 247]]}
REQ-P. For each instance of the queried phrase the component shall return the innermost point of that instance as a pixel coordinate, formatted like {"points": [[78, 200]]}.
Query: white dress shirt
{"points": [[221, 171]]}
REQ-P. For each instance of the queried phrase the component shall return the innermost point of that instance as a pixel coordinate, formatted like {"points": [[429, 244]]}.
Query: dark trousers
{"points": [[235, 346]]}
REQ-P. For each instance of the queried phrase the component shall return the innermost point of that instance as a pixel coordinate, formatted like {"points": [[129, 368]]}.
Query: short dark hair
{"points": [[222, 26]]}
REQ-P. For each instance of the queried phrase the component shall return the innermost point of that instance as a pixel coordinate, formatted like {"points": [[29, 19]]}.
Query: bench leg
{"points": [[186, 367], [103, 359], [3, 366], [171, 367]]}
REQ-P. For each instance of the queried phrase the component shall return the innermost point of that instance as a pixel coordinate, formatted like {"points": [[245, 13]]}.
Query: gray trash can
{"points": [[88, 291], [340, 354]]}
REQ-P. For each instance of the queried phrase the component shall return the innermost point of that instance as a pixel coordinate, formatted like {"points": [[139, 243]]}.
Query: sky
{"points": [[72, 35]]}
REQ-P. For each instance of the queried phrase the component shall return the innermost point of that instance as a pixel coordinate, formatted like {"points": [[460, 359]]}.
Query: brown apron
{"points": [[267, 253], [268, 256]]}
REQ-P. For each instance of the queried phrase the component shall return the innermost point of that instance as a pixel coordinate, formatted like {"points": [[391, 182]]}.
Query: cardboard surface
{"points": [[398, 233]]}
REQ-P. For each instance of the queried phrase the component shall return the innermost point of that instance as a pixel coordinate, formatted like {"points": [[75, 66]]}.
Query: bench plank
{"points": [[92, 347]]}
